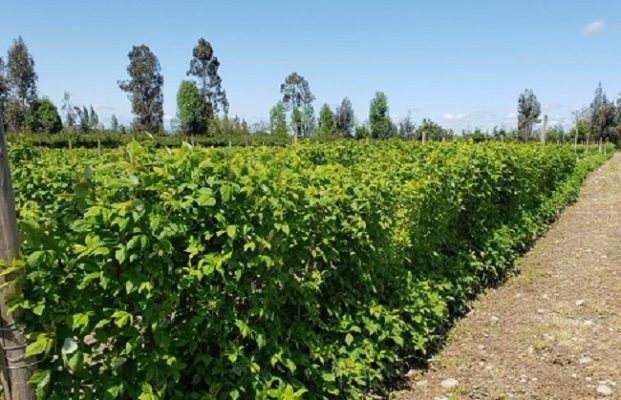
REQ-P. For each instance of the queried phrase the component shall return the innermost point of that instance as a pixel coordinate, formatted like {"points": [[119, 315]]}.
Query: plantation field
{"points": [[308, 271]]}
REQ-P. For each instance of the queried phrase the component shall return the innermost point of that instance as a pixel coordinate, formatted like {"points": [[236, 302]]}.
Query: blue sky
{"points": [[461, 63]]}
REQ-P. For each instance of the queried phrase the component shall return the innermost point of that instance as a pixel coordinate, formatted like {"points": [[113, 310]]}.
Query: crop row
{"points": [[309, 271]]}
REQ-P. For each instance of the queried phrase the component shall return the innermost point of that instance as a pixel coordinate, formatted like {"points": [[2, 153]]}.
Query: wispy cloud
{"points": [[100, 107], [453, 117], [593, 27]]}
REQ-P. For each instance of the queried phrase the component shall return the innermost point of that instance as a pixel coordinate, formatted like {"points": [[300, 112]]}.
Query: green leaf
{"points": [[349, 339], [122, 318], [79, 321], [43, 344], [147, 393], [231, 231]]}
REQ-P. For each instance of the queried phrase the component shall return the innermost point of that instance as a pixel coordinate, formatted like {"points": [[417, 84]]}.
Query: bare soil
{"points": [[552, 331]]}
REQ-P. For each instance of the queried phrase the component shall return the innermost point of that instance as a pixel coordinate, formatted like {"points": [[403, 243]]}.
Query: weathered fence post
{"points": [[544, 127], [16, 370]]}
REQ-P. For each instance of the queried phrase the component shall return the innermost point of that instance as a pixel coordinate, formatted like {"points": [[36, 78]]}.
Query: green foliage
{"points": [[296, 91], [192, 109], [225, 132], [529, 110], [327, 121], [344, 118], [144, 89], [432, 131], [297, 121], [265, 273], [43, 117], [21, 75], [204, 66], [379, 120], [278, 120]]}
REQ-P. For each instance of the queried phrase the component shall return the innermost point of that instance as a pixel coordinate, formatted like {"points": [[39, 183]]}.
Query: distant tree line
{"points": [[202, 108]]}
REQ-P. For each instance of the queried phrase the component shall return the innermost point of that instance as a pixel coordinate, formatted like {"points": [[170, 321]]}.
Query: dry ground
{"points": [[554, 330]]}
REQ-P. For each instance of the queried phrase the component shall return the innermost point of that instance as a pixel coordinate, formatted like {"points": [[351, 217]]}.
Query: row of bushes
{"points": [[301, 272], [113, 140]]}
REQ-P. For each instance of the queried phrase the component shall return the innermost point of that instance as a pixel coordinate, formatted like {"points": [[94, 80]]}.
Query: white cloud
{"points": [[593, 27], [100, 107], [453, 117], [511, 115]]}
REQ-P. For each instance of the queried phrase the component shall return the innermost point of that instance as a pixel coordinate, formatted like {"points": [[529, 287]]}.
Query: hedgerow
{"points": [[309, 271]]}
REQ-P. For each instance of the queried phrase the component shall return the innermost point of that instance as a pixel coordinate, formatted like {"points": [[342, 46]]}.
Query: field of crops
{"points": [[308, 271]]}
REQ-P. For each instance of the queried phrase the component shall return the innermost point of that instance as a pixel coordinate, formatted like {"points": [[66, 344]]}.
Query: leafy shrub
{"points": [[299, 272]]}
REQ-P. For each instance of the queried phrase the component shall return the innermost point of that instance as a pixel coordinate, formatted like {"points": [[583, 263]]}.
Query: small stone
{"points": [[410, 373], [604, 390], [481, 347], [574, 375], [488, 368], [588, 379], [588, 322], [494, 318], [449, 383], [421, 383], [580, 302], [541, 310], [585, 360]]}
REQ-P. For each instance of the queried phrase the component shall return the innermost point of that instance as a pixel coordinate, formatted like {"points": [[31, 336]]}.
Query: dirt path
{"points": [[554, 330]]}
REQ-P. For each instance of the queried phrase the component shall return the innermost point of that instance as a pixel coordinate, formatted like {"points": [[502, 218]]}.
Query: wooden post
{"points": [[576, 141], [423, 138], [15, 369], [544, 127], [69, 144]]}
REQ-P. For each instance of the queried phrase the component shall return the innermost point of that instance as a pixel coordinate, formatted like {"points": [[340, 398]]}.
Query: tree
{"points": [[429, 130], [144, 89], [114, 123], [296, 92], [297, 122], [529, 110], [69, 111], [21, 75], [362, 132], [204, 66], [4, 87], [192, 109], [407, 128], [22, 80], [278, 120], [345, 118], [603, 114], [309, 120], [93, 119], [87, 118], [43, 117], [327, 121], [14, 115], [379, 121]]}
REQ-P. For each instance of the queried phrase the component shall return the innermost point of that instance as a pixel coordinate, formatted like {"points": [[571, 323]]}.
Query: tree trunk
{"points": [[16, 370], [576, 141]]}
